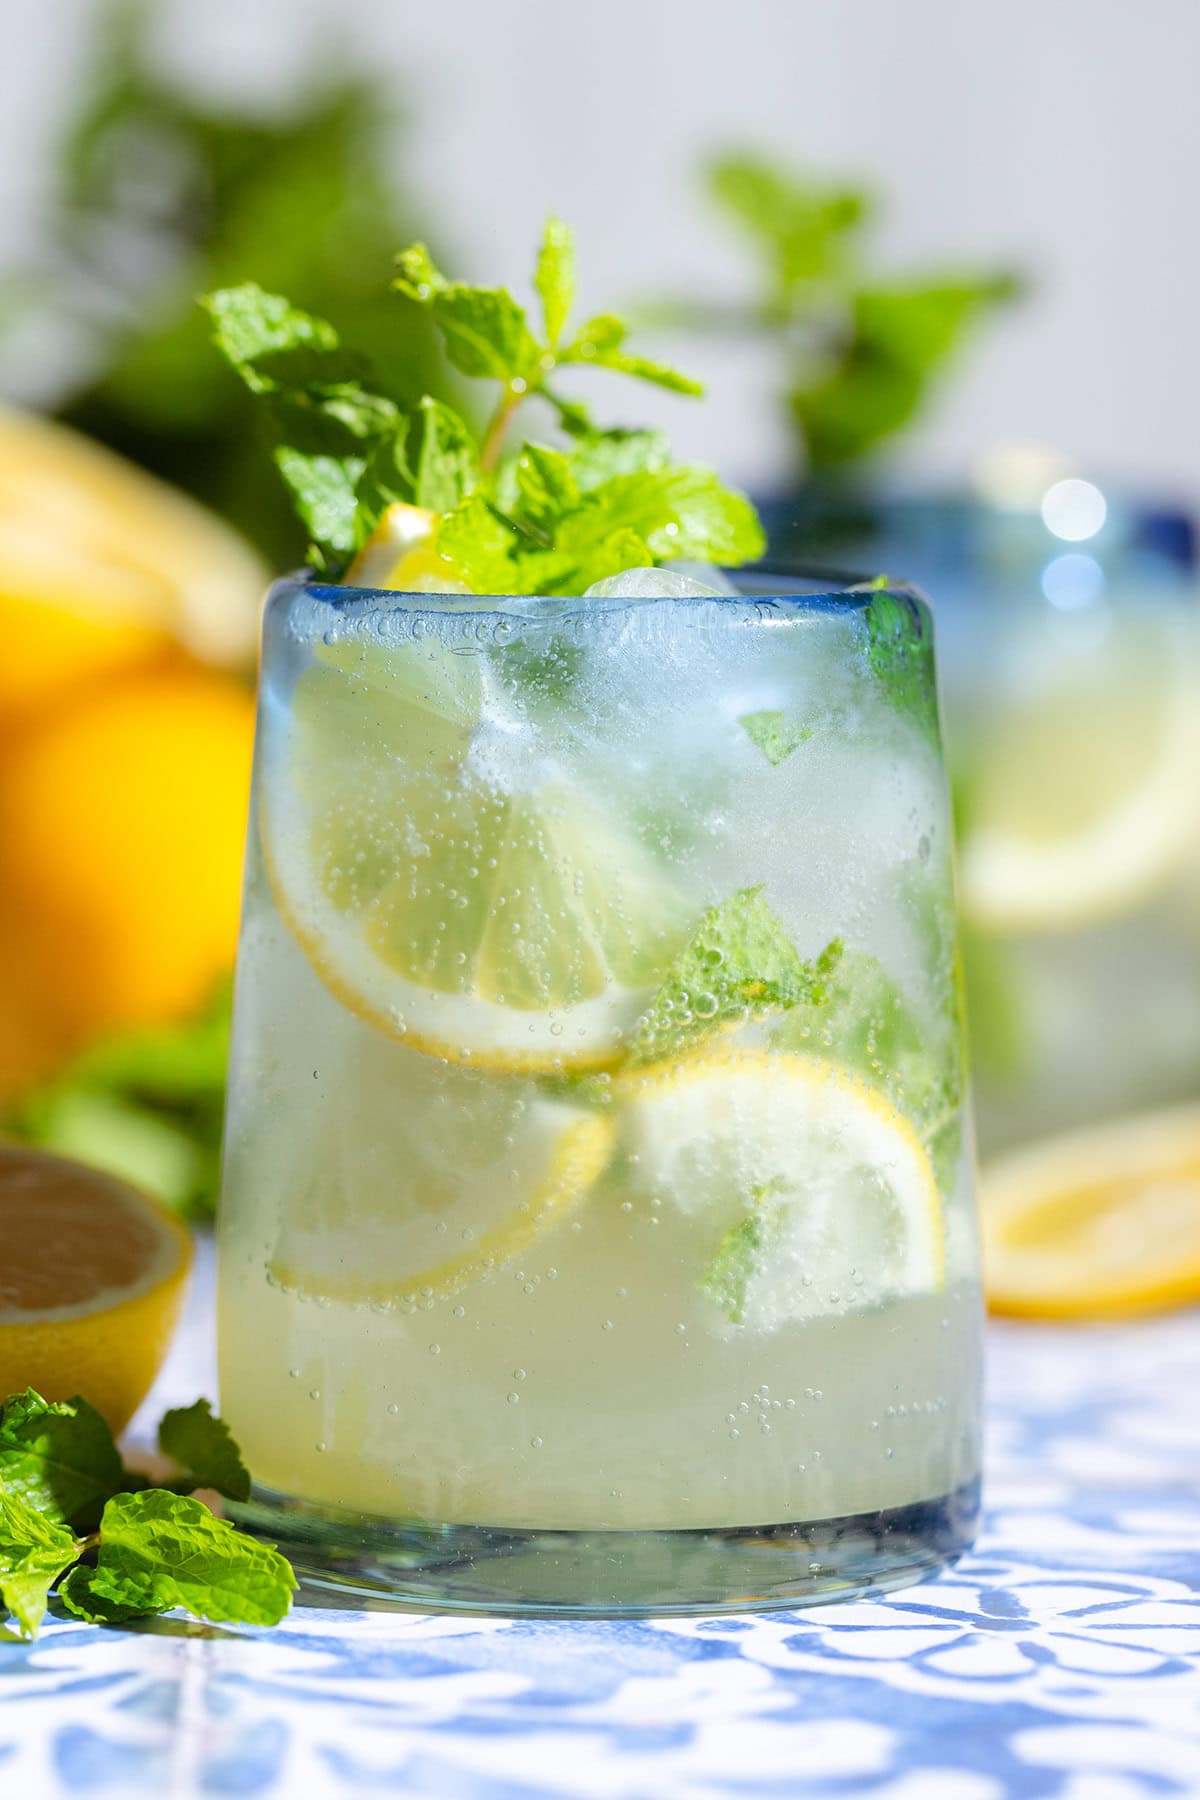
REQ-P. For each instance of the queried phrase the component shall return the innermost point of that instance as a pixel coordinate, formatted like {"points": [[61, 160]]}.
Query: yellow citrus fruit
{"points": [[121, 831], [91, 1282], [400, 554], [814, 1194], [1099, 1223], [104, 568]]}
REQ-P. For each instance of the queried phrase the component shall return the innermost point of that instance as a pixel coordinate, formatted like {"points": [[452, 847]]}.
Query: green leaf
{"points": [[443, 455], [58, 1457], [418, 276], [272, 343], [596, 456], [203, 1447], [546, 485], [899, 650], [679, 513], [600, 342], [741, 1254], [481, 546], [34, 1551], [158, 1550], [739, 964], [554, 277], [865, 1023], [485, 331], [775, 734], [77, 1594], [325, 492], [803, 227]]}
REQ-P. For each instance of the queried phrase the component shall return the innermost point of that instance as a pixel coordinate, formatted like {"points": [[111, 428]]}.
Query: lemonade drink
{"points": [[596, 1160]]}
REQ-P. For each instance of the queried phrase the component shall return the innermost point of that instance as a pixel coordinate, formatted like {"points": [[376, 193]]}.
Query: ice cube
{"points": [[654, 584]]}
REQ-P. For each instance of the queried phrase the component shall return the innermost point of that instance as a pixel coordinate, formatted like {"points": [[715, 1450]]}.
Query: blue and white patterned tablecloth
{"points": [[1062, 1659]]}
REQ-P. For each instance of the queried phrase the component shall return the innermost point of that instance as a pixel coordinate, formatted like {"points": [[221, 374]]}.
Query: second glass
{"points": [[598, 1228]]}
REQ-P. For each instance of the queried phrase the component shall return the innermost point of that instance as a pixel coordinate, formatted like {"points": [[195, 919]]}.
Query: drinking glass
{"points": [[598, 1226]]}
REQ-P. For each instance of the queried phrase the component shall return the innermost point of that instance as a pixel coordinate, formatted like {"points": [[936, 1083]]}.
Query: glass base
{"points": [[611, 1574]]}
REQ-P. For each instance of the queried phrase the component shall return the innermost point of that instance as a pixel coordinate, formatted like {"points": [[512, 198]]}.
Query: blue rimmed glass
{"points": [[598, 1226]]}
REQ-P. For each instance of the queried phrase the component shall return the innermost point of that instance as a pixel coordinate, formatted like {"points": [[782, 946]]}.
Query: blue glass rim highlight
{"points": [[773, 582]]}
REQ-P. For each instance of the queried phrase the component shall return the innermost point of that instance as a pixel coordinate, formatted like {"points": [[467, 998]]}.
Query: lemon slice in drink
{"points": [[1099, 1223], [400, 553], [430, 1179], [447, 881], [1084, 799], [803, 1192]]}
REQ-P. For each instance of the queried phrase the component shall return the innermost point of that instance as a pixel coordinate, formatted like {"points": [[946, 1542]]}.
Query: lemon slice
{"points": [[400, 554], [805, 1192], [446, 881], [1099, 1223], [1084, 799], [431, 1178], [91, 1281]]}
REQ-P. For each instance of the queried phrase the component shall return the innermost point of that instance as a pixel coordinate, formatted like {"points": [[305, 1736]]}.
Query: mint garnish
{"points": [[68, 1503], [739, 963], [203, 1447], [775, 734], [539, 519], [741, 1253], [156, 1550], [899, 650]]}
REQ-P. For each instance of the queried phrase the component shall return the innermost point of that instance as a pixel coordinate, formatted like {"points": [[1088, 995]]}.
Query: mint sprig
{"points": [[533, 518], [72, 1515], [742, 1252], [739, 964]]}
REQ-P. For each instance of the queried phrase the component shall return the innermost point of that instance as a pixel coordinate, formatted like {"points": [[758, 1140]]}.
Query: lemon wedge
{"points": [[91, 1282], [805, 1193], [400, 554], [1098, 1223], [446, 881], [1084, 799]]}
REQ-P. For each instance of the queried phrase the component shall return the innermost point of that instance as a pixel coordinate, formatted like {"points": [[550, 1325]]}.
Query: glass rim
{"points": [[773, 581]]}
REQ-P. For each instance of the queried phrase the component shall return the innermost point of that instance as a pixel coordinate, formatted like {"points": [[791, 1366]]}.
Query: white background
{"points": [[1062, 133]]}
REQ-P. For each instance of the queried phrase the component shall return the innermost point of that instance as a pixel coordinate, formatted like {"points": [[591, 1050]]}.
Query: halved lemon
{"points": [[430, 1178], [104, 565], [447, 880], [1084, 797], [1099, 1223], [807, 1192], [91, 1281]]}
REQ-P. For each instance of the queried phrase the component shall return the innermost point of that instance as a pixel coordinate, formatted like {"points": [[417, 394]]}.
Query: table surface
{"points": [[1061, 1659]]}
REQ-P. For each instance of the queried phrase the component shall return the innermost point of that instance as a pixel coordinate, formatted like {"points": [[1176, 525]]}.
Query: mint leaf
{"points": [[58, 1457], [444, 459], [203, 1447], [775, 734], [34, 1551], [158, 1550], [899, 650], [739, 963], [596, 456], [481, 545], [554, 278], [546, 485], [865, 1023], [418, 276], [326, 420], [78, 1595], [600, 341], [484, 329], [681, 513], [741, 1253]]}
